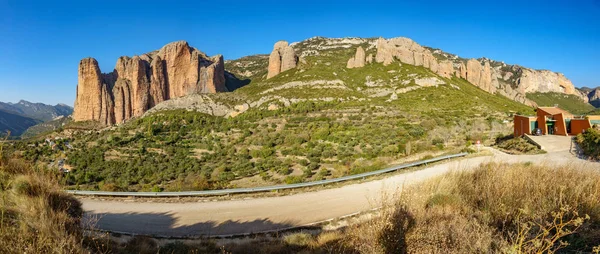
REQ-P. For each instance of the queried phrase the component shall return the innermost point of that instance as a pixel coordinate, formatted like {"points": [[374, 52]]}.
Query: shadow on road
{"points": [[165, 224]]}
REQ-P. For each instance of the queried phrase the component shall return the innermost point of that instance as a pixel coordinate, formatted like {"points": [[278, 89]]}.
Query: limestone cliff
{"points": [[494, 77], [139, 83], [408, 51]]}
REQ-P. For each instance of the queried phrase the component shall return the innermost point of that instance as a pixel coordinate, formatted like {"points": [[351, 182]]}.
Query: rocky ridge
{"points": [[512, 81], [141, 82]]}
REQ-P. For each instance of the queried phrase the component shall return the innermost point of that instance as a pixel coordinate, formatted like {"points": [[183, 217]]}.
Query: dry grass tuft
{"points": [[36, 216]]}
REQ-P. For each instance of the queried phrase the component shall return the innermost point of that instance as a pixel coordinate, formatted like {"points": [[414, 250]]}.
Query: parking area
{"points": [[553, 143]]}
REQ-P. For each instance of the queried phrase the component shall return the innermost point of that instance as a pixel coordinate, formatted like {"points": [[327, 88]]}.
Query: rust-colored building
{"points": [[553, 121]]}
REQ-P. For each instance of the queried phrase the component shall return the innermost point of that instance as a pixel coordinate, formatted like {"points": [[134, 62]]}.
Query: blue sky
{"points": [[41, 42]]}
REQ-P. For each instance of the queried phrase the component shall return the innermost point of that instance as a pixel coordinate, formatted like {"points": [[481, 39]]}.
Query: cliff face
{"points": [[139, 83], [508, 80]]}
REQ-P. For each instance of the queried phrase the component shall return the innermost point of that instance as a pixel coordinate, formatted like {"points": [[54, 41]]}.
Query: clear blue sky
{"points": [[41, 42]]}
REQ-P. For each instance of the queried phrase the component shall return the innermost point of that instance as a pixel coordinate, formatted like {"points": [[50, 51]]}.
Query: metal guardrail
{"points": [[262, 189]]}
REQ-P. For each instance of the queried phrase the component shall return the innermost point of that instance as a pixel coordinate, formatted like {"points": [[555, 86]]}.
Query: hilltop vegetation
{"points": [[567, 102]]}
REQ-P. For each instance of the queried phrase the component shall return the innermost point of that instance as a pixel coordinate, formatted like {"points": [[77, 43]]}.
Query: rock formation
{"points": [[370, 58], [139, 83], [88, 104], [544, 81], [358, 60], [282, 58], [408, 51], [511, 81]]}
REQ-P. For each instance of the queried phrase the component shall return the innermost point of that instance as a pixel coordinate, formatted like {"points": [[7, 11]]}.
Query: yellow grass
{"points": [[498, 208]]}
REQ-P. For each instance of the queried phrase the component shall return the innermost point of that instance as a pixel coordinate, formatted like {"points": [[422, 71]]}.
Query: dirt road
{"points": [[274, 213]]}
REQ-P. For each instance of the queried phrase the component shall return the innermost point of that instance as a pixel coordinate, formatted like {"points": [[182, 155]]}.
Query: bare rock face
{"points": [[383, 52], [369, 58], [212, 77], [289, 59], [88, 102], [158, 84], [181, 66], [446, 69], [409, 52], [282, 58], [544, 81], [141, 82], [107, 116], [480, 75], [122, 100], [358, 60]]}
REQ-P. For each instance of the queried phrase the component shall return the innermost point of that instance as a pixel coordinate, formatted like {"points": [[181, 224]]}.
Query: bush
{"points": [[589, 141], [517, 146], [294, 179]]}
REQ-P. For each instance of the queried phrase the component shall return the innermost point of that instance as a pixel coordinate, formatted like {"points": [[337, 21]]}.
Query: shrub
{"points": [[589, 141], [517, 146], [294, 179]]}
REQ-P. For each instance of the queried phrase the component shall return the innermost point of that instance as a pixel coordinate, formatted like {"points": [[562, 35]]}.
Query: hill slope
{"points": [[568, 102], [14, 123], [319, 120]]}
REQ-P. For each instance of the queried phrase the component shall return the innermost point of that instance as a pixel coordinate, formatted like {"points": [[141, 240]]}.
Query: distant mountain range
{"points": [[20, 116]]}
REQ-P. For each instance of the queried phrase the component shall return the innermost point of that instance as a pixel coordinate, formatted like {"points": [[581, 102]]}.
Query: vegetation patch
{"points": [[516, 145], [568, 102], [589, 142]]}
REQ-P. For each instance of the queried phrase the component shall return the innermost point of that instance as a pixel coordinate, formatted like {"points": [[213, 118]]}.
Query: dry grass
{"points": [[36, 216], [495, 209]]}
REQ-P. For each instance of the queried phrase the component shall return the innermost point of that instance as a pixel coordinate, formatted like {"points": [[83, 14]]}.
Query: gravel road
{"points": [[235, 217]]}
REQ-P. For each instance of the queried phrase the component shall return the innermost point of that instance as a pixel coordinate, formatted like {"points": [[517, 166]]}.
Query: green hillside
{"points": [[14, 123], [568, 102], [45, 127], [320, 120]]}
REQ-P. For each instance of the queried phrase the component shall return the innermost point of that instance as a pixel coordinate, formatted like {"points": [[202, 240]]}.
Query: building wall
{"points": [[561, 127], [541, 119], [578, 125], [522, 125], [594, 120]]}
